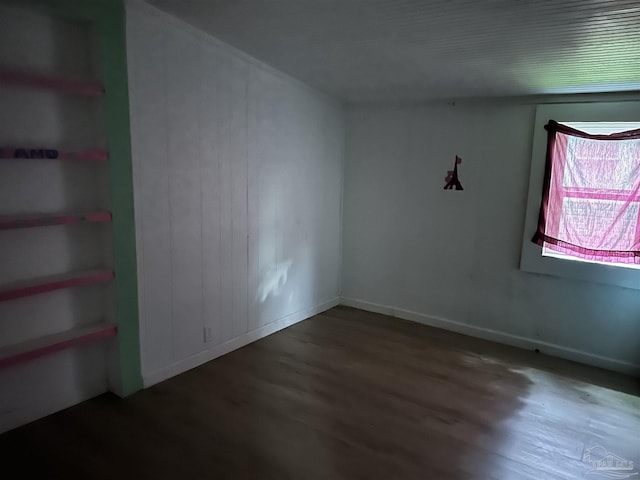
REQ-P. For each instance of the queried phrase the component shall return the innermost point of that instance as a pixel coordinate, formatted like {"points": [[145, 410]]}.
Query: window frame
{"points": [[531, 258]]}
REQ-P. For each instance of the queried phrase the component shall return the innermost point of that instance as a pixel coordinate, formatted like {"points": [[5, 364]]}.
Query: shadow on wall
{"points": [[77, 123]]}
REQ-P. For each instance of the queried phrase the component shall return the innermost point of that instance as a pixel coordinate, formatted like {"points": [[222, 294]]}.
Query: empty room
{"points": [[320, 239]]}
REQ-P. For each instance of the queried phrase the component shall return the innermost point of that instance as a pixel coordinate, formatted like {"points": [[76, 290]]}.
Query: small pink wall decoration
{"points": [[452, 177]]}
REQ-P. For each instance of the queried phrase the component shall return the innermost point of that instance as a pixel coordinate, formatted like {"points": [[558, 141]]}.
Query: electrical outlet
{"points": [[208, 334]]}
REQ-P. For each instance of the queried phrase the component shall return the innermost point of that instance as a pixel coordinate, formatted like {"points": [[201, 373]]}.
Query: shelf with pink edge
{"points": [[45, 81], [11, 222], [37, 347], [54, 282], [29, 350]]}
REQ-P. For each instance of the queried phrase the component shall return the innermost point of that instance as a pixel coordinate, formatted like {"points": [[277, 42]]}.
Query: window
{"points": [[591, 195], [594, 119]]}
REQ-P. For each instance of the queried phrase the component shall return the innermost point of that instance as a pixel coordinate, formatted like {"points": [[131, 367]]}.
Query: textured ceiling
{"points": [[372, 50]]}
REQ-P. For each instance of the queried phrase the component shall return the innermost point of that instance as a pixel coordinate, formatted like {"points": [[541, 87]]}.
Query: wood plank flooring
{"points": [[347, 395]]}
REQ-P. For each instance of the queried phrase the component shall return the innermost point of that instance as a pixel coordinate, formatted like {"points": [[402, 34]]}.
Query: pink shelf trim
{"points": [[46, 82], [58, 343], [53, 154], [27, 221], [55, 283]]}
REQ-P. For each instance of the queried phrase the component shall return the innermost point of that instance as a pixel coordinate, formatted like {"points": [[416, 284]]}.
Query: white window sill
{"points": [[550, 253]]}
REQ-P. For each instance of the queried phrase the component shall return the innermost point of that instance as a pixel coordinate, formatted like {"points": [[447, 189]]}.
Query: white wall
{"points": [[450, 258], [238, 180], [33, 42]]}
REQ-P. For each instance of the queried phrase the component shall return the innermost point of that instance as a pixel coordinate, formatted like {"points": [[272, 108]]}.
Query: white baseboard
{"points": [[499, 337], [216, 351]]}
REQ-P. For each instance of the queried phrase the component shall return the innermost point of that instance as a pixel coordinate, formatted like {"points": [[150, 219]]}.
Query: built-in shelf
{"points": [[10, 222], [57, 282], [27, 153], [51, 82], [38, 347]]}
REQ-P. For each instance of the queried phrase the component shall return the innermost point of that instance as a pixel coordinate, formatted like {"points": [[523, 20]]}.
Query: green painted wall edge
{"points": [[108, 17]]}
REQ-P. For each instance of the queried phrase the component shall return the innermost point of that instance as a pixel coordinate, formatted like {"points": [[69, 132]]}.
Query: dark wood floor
{"points": [[346, 394]]}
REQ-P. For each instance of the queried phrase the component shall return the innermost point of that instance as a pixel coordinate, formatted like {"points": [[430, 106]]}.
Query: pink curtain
{"points": [[591, 199]]}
